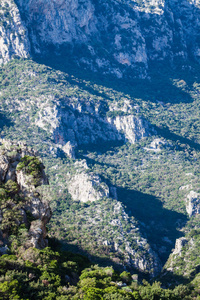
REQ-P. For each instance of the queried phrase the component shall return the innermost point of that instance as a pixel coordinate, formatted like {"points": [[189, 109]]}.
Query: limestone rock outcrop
{"points": [[38, 234], [86, 186], [180, 243], [135, 258], [21, 172], [134, 128], [14, 40], [182, 259], [83, 123], [193, 203], [115, 37], [157, 145], [68, 148]]}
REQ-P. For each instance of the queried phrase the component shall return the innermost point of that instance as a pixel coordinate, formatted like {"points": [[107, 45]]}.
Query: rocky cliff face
{"points": [[193, 204], [142, 257], [116, 37], [133, 127], [184, 258], [69, 115], [73, 26], [13, 34], [88, 126], [85, 186], [21, 172]]}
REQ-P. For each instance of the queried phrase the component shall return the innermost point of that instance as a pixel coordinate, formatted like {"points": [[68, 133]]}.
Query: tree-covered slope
{"points": [[31, 270], [110, 98], [152, 178]]}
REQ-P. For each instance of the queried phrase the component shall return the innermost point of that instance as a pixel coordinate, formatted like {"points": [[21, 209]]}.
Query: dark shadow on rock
{"points": [[67, 56], [167, 278], [77, 75], [64, 245], [100, 147], [170, 280], [158, 224], [165, 132], [171, 65], [195, 272], [159, 88]]}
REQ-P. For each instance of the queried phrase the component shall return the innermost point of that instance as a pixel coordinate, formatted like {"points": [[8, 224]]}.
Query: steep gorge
{"points": [[60, 113]]}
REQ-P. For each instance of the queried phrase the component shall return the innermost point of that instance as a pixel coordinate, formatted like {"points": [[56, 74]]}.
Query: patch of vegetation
{"points": [[50, 274], [31, 166]]}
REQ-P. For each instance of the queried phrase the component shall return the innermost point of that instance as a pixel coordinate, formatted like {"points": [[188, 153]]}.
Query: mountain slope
{"points": [[122, 38], [13, 34], [129, 148]]}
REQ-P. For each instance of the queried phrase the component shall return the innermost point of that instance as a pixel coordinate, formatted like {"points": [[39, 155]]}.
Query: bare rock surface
{"points": [[14, 40], [115, 36], [86, 186], [180, 243], [11, 155], [193, 203]]}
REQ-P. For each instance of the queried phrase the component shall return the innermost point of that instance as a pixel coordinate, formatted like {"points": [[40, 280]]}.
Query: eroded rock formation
{"points": [[14, 40], [21, 172], [116, 37]]}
